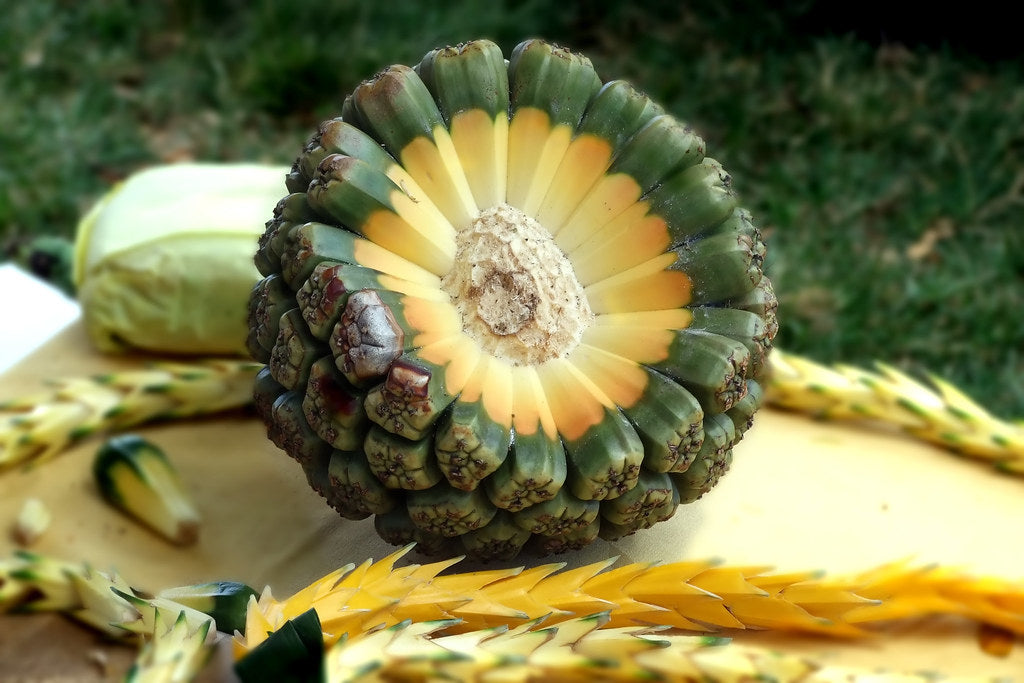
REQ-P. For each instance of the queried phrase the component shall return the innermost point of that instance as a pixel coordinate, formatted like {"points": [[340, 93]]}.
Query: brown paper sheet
{"points": [[801, 495]]}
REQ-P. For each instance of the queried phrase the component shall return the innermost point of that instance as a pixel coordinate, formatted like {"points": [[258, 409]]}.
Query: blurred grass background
{"points": [[882, 155]]}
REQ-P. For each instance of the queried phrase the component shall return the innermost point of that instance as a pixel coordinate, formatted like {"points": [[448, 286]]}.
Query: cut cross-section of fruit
{"points": [[509, 306]]}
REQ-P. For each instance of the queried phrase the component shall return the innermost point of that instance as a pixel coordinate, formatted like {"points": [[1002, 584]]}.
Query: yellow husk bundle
{"points": [[163, 262]]}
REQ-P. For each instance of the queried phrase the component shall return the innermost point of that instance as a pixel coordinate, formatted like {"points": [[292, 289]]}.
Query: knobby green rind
{"points": [[534, 471], [469, 445], [415, 153]]}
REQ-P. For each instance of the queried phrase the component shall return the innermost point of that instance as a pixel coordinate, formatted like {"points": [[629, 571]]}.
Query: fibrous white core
{"points": [[515, 290]]}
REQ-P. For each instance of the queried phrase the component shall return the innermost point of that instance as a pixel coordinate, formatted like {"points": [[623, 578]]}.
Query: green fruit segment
{"points": [[694, 201], [315, 469], [323, 295], [291, 433], [551, 79], [350, 113], [702, 476], [742, 414], [396, 528], [665, 415], [669, 420], [269, 300], [560, 515], [605, 462], [574, 541], [747, 328], [135, 476], [294, 180], [469, 445], [534, 471], [449, 512], [294, 351], [333, 407], [411, 398], [396, 107], [292, 210], [399, 463], [549, 89], [225, 601], [266, 389], [468, 76], [501, 539], [661, 148], [612, 116], [309, 245], [711, 367], [368, 337], [368, 202], [617, 113], [313, 243], [470, 84], [719, 437], [341, 137], [760, 300], [720, 267], [356, 491], [653, 500], [604, 451]]}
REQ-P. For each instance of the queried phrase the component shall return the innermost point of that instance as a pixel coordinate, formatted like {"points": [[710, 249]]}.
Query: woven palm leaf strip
{"points": [[38, 426], [940, 413], [581, 649]]}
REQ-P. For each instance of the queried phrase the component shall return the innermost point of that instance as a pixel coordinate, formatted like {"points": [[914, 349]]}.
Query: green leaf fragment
{"points": [[292, 654], [136, 477]]}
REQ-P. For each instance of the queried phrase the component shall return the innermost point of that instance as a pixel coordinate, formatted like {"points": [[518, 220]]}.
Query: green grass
{"points": [[889, 178]]}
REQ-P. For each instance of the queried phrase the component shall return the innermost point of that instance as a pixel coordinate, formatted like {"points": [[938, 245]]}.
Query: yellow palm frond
{"points": [[697, 596]]}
